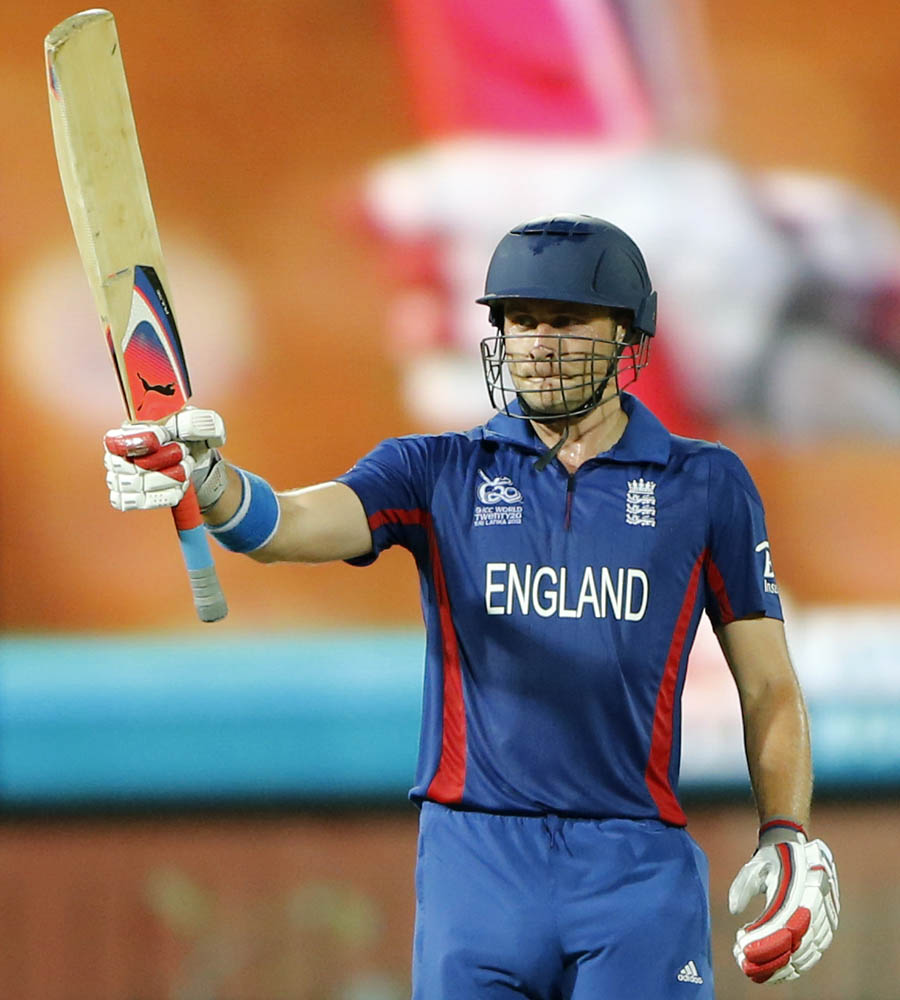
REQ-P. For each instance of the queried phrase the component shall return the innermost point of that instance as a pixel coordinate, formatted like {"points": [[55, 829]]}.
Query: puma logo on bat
{"points": [[163, 390]]}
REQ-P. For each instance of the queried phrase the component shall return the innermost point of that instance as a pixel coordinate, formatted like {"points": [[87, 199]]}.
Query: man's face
{"points": [[558, 353]]}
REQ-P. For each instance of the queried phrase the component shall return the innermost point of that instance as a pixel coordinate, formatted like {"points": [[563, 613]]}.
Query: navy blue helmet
{"points": [[572, 258]]}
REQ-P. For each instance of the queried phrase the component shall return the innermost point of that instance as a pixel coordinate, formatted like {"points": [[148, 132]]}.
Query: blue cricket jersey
{"points": [[560, 608]]}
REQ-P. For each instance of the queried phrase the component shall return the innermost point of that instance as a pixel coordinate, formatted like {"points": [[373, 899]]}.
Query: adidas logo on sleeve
{"points": [[689, 974]]}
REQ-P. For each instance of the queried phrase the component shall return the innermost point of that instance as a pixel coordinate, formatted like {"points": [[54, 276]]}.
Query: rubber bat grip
{"points": [[208, 597]]}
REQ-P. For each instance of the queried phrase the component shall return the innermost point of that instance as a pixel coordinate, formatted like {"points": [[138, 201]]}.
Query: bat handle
{"points": [[208, 597]]}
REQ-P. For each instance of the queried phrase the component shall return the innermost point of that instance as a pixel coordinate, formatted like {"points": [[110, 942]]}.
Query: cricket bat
{"points": [[108, 199]]}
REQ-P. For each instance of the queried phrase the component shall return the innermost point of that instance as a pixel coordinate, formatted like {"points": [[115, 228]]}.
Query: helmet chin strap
{"points": [[592, 403], [551, 453]]}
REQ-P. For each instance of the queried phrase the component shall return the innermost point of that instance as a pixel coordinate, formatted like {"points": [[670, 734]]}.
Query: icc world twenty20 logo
{"points": [[500, 489], [499, 501]]}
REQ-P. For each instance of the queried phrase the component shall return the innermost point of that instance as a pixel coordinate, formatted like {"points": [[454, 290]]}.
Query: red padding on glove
{"points": [[798, 926], [164, 459], [763, 958], [131, 444], [760, 973], [775, 946]]}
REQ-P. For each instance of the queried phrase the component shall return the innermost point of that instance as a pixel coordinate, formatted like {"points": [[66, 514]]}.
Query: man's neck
{"points": [[588, 436]]}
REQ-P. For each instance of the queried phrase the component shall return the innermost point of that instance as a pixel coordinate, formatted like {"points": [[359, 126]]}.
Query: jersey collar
{"points": [[645, 438]]}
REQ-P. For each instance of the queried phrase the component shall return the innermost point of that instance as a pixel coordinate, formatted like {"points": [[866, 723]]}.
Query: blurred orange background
{"points": [[257, 123]]}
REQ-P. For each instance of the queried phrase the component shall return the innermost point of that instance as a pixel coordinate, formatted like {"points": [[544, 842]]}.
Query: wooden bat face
{"points": [[108, 198]]}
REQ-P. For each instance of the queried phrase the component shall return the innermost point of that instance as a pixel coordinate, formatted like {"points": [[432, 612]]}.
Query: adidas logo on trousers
{"points": [[689, 974]]}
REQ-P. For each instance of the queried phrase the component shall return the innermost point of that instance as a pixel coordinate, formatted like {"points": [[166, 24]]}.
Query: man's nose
{"points": [[543, 342]]}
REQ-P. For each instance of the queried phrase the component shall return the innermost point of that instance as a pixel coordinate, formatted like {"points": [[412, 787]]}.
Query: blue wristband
{"points": [[255, 521]]}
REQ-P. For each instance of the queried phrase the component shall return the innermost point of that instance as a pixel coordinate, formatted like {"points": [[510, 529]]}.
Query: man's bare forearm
{"points": [[776, 727], [318, 523], [776, 737]]}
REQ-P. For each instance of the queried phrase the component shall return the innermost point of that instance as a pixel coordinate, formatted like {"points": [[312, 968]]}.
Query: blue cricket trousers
{"points": [[558, 909]]}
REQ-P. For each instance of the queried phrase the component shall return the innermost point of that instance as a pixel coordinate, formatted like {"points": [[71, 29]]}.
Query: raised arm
{"points": [[149, 466]]}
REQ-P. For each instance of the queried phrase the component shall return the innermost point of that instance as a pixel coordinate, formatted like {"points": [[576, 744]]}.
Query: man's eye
{"points": [[562, 321]]}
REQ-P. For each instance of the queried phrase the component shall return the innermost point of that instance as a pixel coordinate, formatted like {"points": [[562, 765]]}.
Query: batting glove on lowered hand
{"points": [[150, 465], [800, 881]]}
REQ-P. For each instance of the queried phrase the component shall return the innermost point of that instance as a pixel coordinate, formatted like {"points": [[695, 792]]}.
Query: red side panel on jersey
{"points": [[450, 778], [717, 584], [657, 773], [449, 781], [154, 361]]}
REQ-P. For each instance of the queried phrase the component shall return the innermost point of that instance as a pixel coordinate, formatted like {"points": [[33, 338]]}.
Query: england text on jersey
{"points": [[547, 591]]}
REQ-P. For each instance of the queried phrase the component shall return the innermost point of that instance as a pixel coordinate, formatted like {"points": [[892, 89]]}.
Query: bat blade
{"points": [[108, 199], [158, 382], [101, 169]]}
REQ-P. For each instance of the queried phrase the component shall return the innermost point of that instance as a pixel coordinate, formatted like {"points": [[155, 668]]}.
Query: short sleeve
{"points": [[739, 570], [392, 485]]}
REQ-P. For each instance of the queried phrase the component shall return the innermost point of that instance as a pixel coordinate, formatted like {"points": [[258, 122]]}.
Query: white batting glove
{"points": [[800, 881], [151, 465]]}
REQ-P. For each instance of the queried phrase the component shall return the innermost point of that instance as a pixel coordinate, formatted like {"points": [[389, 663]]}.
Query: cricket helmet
{"points": [[571, 258]]}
